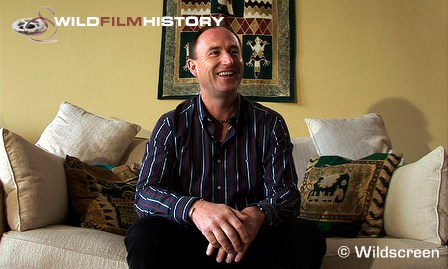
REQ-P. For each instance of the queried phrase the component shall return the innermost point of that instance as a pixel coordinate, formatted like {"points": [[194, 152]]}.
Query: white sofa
{"points": [[416, 229]]}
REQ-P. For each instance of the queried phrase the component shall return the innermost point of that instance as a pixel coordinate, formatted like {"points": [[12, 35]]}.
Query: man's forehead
{"points": [[218, 35]]}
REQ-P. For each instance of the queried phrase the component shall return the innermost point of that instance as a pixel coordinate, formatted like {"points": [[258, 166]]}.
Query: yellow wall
{"points": [[353, 57]]}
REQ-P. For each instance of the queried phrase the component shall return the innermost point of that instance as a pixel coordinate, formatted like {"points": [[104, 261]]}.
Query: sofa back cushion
{"points": [[34, 184], [133, 156], [302, 152]]}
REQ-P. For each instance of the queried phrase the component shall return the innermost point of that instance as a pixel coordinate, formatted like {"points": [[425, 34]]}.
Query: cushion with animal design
{"points": [[346, 197]]}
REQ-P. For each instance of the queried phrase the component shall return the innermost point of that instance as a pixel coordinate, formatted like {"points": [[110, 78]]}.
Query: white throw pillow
{"points": [[352, 138], [417, 201], [90, 138], [34, 184]]}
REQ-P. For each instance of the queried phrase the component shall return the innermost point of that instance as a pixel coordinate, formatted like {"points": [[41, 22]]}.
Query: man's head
{"points": [[216, 60], [194, 40]]}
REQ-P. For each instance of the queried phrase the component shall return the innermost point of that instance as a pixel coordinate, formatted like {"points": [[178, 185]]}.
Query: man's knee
{"points": [[312, 234], [142, 232], [306, 236], [146, 241]]}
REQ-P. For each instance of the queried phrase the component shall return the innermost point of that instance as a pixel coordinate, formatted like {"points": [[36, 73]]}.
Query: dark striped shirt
{"points": [[183, 162]]}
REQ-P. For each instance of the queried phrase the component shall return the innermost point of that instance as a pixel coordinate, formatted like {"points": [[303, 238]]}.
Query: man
{"points": [[217, 187]]}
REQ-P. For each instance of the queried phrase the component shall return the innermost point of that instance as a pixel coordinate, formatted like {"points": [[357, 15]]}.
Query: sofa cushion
{"points": [[346, 197], [34, 183], [91, 138], [103, 199], [417, 201], [61, 246], [337, 136]]}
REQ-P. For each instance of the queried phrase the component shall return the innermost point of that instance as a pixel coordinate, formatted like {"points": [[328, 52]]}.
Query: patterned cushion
{"points": [[103, 199], [346, 197]]}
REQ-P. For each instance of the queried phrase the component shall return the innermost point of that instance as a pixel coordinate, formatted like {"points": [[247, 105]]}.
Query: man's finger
{"points": [[239, 256], [220, 257], [210, 249], [233, 236], [237, 224]]}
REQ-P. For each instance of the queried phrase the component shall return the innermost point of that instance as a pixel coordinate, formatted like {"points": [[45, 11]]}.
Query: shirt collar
{"points": [[205, 118]]}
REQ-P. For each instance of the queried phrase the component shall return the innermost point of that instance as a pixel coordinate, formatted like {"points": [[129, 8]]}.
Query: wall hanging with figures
{"points": [[266, 30]]}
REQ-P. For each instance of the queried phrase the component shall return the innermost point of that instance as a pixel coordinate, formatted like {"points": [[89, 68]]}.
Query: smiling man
{"points": [[217, 186]]}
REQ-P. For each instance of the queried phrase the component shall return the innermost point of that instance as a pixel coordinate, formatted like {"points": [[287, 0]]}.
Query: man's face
{"points": [[219, 63]]}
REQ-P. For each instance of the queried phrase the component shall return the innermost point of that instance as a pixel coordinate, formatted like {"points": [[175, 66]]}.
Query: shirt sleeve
{"points": [[282, 199], [152, 195]]}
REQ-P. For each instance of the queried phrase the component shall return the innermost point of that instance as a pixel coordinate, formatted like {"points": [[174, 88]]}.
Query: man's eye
{"points": [[214, 52]]}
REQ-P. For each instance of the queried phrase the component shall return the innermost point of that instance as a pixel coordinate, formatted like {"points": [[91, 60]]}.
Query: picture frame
{"points": [[267, 33]]}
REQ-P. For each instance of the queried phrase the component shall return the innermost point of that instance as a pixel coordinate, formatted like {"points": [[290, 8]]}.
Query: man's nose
{"points": [[226, 58]]}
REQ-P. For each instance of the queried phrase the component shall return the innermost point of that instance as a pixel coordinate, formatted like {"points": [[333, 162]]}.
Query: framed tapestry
{"points": [[267, 32]]}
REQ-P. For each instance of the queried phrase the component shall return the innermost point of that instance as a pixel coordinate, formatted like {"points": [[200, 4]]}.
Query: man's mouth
{"points": [[226, 73]]}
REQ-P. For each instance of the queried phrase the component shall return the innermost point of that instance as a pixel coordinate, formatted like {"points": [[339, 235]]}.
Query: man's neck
{"points": [[221, 108]]}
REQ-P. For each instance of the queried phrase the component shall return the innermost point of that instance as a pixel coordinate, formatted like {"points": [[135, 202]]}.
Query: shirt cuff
{"points": [[182, 208], [269, 211]]}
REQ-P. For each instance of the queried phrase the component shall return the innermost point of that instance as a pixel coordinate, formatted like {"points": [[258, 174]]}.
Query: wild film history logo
{"points": [[43, 28]]}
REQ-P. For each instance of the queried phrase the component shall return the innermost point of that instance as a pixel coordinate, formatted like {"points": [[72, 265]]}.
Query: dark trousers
{"points": [[155, 242]]}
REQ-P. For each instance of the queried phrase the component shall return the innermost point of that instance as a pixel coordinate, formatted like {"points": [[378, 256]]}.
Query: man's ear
{"points": [[192, 66]]}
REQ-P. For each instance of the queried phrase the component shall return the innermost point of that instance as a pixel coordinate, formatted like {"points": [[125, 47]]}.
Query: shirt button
{"points": [[218, 160], [219, 187]]}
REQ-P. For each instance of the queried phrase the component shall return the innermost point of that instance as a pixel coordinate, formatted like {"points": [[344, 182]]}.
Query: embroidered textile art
{"points": [[266, 31]]}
